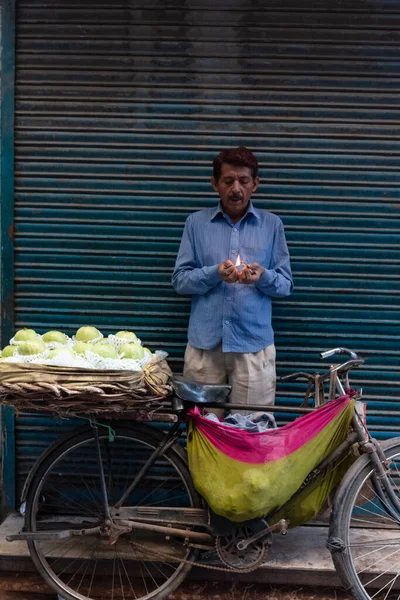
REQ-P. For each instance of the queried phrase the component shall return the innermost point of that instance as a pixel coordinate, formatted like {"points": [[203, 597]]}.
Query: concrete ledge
{"points": [[300, 558]]}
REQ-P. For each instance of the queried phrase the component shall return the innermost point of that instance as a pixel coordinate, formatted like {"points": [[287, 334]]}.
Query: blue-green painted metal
{"points": [[7, 65], [120, 109]]}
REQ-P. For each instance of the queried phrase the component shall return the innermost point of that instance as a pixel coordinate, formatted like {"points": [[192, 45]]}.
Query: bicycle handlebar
{"points": [[329, 353], [339, 369], [295, 377]]}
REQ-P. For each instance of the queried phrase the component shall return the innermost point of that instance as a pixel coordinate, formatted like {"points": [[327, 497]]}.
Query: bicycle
{"points": [[112, 512]]}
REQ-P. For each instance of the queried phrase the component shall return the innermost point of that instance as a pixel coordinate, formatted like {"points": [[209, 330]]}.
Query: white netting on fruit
{"points": [[94, 341], [89, 360], [118, 342], [98, 362], [54, 345], [14, 342], [65, 360], [29, 358], [159, 353]]}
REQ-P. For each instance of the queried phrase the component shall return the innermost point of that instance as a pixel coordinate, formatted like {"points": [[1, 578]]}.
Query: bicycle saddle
{"points": [[200, 393]]}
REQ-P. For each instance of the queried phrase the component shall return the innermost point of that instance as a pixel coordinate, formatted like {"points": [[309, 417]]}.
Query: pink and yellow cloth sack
{"points": [[244, 475]]}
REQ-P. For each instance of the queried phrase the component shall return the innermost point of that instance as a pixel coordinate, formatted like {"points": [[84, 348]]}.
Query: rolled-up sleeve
{"points": [[277, 281], [187, 278]]}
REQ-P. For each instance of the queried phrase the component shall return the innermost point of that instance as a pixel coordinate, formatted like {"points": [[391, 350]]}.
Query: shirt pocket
{"points": [[252, 254]]}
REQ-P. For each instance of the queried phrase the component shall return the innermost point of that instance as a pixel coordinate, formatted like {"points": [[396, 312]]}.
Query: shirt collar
{"points": [[250, 211]]}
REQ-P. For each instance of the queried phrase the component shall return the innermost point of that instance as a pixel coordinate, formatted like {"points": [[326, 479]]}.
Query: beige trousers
{"points": [[251, 374]]}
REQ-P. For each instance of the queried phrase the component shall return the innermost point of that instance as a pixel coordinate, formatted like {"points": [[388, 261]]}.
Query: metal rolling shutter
{"points": [[120, 109]]}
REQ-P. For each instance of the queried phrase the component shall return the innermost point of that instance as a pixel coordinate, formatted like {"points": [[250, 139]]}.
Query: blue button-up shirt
{"points": [[238, 315]]}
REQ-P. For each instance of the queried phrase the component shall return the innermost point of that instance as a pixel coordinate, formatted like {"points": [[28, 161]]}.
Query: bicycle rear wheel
{"points": [[365, 533], [66, 494]]}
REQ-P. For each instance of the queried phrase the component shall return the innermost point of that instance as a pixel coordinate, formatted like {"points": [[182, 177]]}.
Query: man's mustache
{"points": [[235, 197]]}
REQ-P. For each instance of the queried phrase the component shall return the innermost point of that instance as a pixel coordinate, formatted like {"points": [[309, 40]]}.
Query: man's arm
{"points": [[277, 281], [187, 277]]}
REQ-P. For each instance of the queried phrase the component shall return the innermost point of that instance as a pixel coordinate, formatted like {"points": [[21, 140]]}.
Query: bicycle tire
{"points": [[361, 527], [66, 490]]}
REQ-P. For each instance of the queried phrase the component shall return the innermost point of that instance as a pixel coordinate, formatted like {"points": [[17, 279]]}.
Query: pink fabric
{"points": [[258, 448]]}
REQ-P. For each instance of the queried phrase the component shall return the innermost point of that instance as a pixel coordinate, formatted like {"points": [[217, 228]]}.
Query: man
{"points": [[230, 333]]}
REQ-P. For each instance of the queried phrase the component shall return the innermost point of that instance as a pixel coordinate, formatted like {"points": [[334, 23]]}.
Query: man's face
{"points": [[235, 187]]}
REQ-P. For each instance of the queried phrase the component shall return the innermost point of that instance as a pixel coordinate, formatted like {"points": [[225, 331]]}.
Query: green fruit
{"points": [[55, 336], [127, 335], [9, 351], [147, 351], [24, 335], [31, 347], [104, 350], [134, 351], [87, 334], [58, 352], [81, 347]]}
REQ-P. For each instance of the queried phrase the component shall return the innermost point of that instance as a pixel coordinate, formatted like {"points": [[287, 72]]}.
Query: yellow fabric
{"points": [[241, 491]]}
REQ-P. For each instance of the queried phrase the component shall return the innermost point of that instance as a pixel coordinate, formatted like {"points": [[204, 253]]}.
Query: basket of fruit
{"points": [[83, 374]]}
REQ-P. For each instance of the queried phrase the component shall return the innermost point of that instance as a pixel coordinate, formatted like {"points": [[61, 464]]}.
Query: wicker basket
{"points": [[63, 390]]}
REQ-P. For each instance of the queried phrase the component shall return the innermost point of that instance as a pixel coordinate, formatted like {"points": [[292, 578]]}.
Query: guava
{"points": [[61, 352], [127, 335], [24, 335], [55, 336], [104, 350], [134, 351], [31, 347], [9, 351], [81, 347], [87, 334]]}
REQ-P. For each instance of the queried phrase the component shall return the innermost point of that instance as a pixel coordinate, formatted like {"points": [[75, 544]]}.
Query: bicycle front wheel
{"points": [[365, 531], [67, 494]]}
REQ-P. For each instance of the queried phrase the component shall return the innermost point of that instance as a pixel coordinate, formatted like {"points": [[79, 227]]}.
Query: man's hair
{"points": [[238, 157]]}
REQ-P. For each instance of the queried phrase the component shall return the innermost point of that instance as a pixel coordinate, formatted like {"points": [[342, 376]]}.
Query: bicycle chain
{"points": [[195, 563]]}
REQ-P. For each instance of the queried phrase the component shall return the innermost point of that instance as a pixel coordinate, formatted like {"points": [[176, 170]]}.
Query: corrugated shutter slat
{"points": [[119, 111]]}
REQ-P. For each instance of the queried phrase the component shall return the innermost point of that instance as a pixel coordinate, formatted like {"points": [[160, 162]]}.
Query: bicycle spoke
{"points": [[368, 522], [360, 556], [83, 576], [73, 561], [389, 570], [155, 490], [113, 576], [389, 583], [72, 502], [66, 498], [163, 501], [91, 581], [391, 587], [87, 487], [378, 561], [120, 582], [382, 514], [143, 578], [127, 576]]}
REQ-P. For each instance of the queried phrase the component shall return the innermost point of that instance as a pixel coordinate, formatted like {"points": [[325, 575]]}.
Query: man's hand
{"points": [[228, 272], [251, 273]]}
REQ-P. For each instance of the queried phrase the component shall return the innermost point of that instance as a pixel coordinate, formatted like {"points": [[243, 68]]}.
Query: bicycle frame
{"points": [[359, 435], [119, 519]]}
